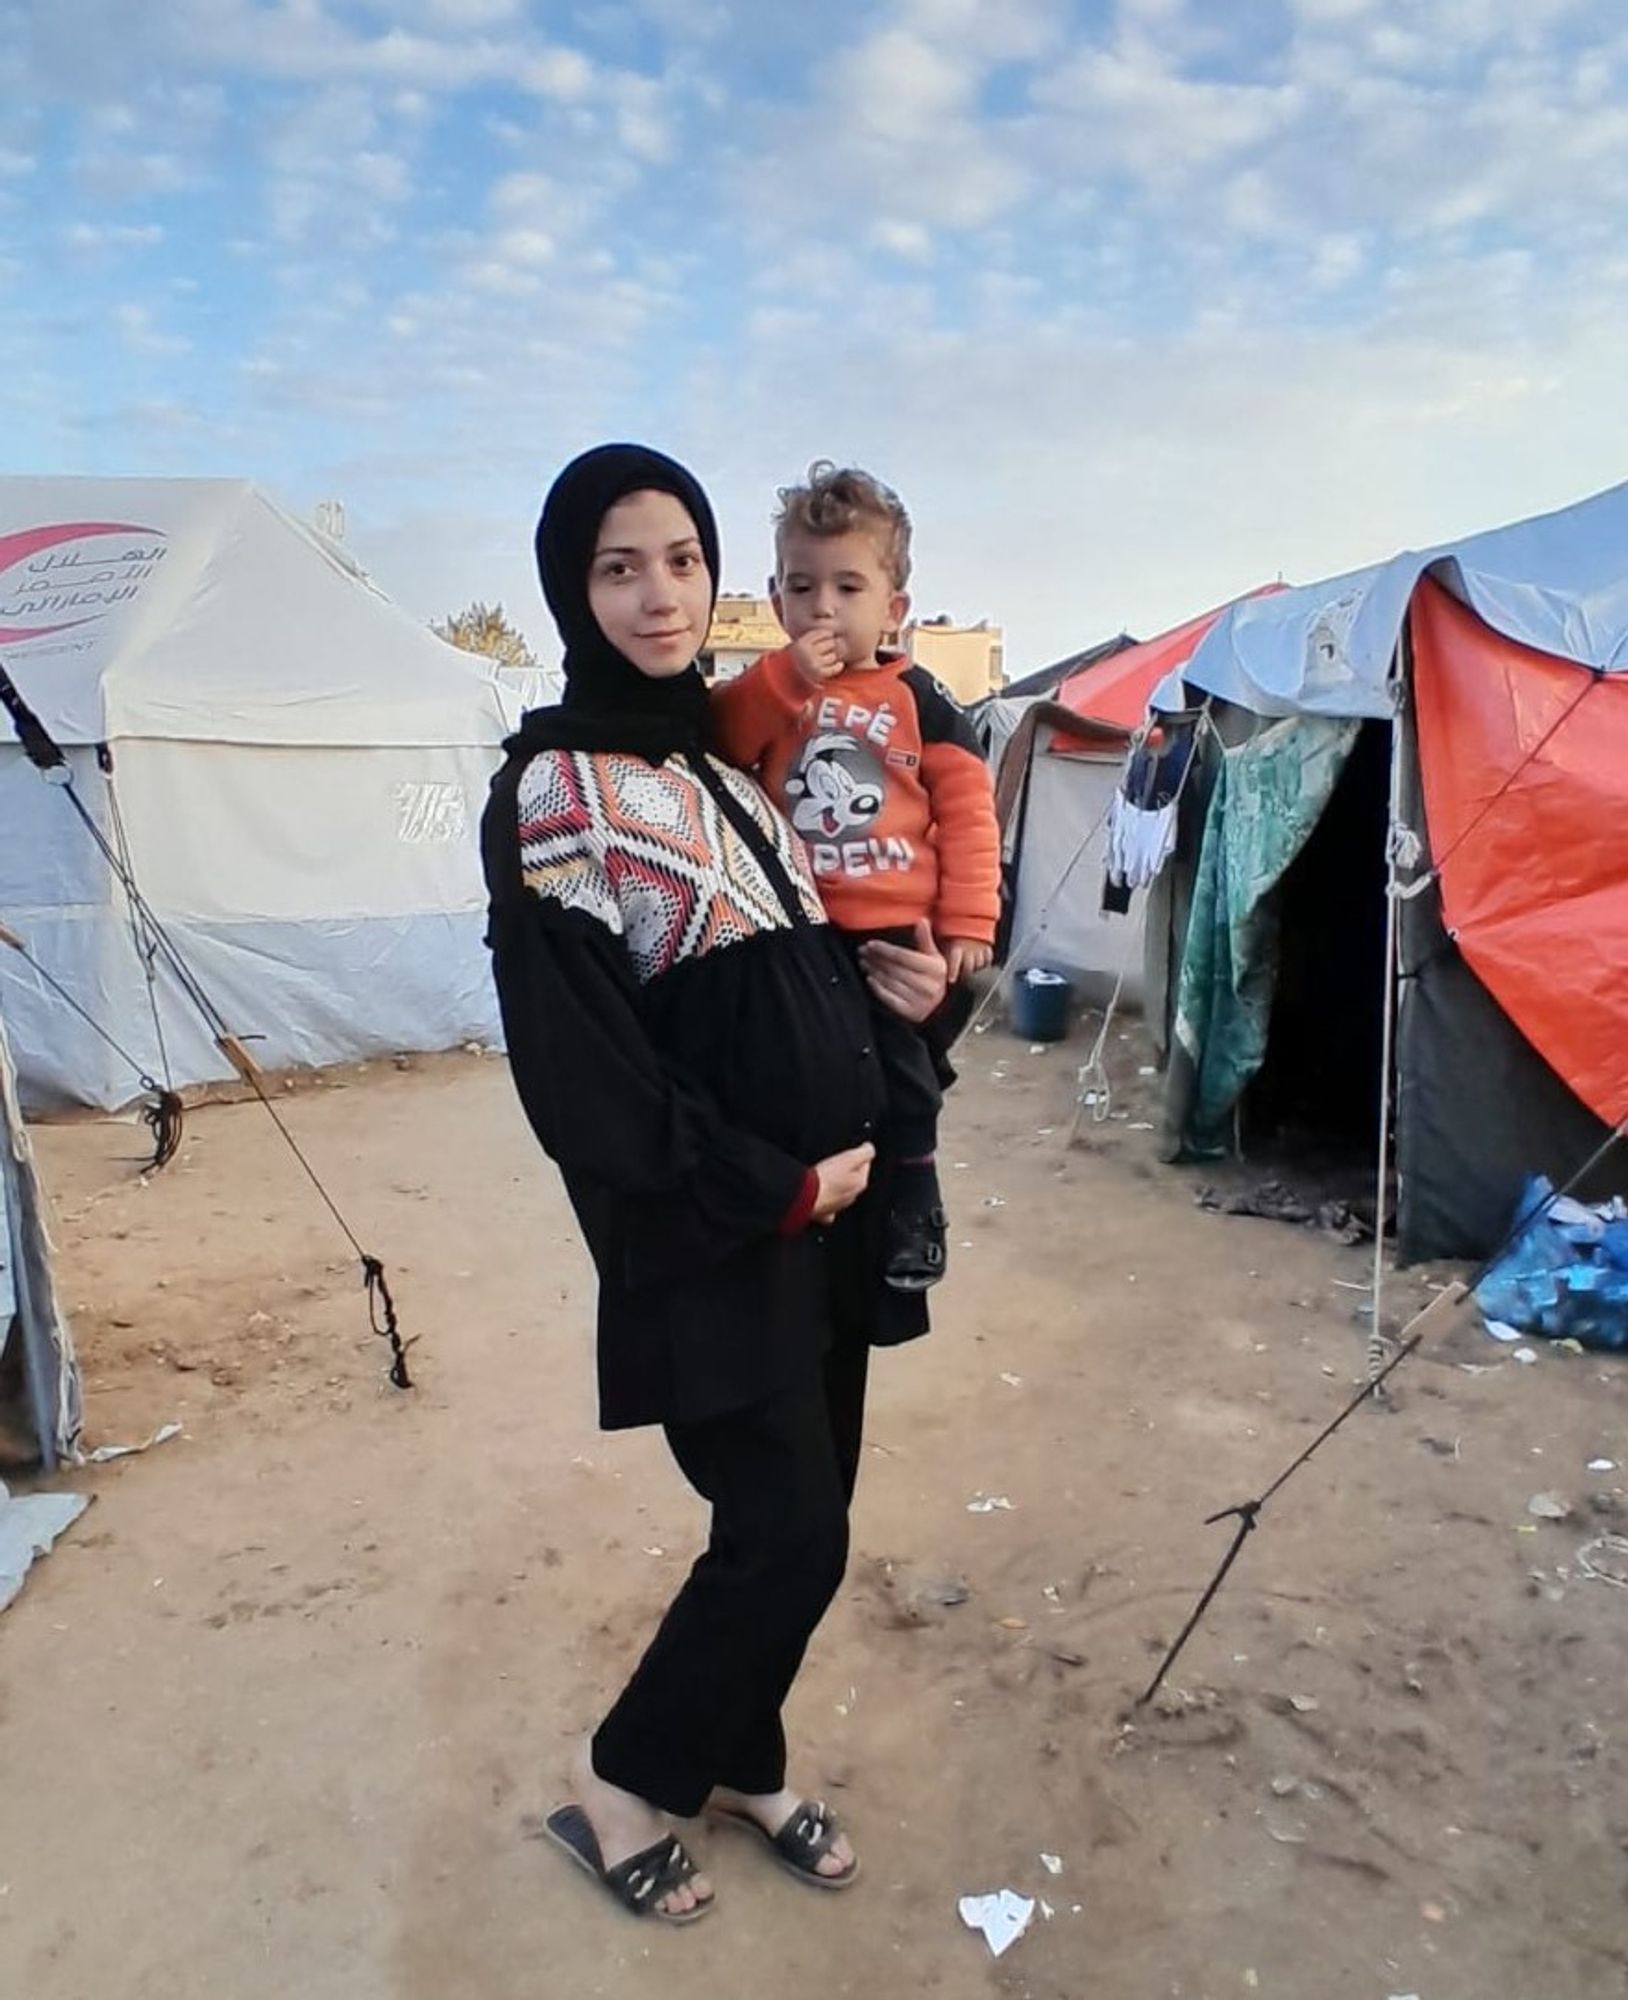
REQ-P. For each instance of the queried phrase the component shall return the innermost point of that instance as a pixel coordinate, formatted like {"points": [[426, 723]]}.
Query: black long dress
{"points": [[688, 1037]]}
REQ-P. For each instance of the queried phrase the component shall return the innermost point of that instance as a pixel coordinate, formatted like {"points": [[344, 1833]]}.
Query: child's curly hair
{"points": [[835, 500]]}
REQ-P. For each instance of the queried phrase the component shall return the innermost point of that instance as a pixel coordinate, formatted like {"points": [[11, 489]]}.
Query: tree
{"points": [[481, 628]]}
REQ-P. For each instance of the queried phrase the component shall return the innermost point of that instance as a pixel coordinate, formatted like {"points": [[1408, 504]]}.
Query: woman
{"points": [[689, 1039]]}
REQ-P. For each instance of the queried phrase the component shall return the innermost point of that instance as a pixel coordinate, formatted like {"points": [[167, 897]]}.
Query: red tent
{"points": [[1111, 697], [1522, 758]]}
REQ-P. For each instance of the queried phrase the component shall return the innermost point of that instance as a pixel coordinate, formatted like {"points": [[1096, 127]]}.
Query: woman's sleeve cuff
{"points": [[797, 1218]]}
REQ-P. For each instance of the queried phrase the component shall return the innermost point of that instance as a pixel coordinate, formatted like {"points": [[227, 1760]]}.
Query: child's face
{"points": [[648, 585], [841, 583]]}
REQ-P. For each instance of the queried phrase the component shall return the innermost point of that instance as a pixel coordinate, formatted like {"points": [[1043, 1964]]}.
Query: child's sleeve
{"points": [[754, 710], [962, 794]]}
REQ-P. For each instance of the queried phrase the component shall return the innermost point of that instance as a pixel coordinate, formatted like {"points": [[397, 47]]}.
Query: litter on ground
{"points": [[1002, 1916]]}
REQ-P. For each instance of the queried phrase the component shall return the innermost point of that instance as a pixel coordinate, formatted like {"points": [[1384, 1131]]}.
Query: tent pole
{"points": [[1387, 1057]]}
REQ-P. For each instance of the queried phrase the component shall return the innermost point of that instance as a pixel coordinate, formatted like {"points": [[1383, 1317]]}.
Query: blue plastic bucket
{"points": [[1040, 1004]]}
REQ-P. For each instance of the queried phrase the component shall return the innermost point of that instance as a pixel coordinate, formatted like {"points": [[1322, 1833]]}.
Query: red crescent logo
{"points": [[30, 541]]}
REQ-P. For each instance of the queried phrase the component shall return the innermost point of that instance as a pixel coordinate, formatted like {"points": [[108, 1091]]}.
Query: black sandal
{"points": [[639, 1883], [802, 1842]]}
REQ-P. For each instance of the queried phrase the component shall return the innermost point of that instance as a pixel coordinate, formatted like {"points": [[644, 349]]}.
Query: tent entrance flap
{"points": [[1270, 797]]}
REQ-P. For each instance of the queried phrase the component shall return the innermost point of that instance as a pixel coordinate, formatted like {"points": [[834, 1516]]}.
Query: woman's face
{"points": [[648, 585]]}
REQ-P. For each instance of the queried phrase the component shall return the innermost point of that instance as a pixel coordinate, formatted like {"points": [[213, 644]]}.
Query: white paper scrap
{"points": [[990, 1504], [1052, 1863], [1003, 1917], [104, 1452]]}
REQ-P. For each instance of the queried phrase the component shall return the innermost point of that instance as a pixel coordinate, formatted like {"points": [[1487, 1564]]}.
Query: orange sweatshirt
{"points": [[880, 773]]}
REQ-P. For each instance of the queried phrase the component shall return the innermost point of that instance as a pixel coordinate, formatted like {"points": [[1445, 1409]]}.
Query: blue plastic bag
{"points": [[1562, 1281]]}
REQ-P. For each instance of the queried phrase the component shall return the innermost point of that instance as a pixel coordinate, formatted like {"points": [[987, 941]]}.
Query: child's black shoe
{"points": [[916, 1248]]}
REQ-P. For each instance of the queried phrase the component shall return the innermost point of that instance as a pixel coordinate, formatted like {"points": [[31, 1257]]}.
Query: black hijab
{"points": [[609, 704]]}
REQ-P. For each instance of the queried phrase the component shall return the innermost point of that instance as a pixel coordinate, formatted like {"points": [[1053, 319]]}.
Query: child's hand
{"points": [[817, 656], [965, 955]]}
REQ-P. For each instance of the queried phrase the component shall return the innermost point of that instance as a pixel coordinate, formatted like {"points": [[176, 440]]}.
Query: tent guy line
{"points": [[165, 1114], [1443, 1306], [47, 758], [1403, 850], [141, 935]]}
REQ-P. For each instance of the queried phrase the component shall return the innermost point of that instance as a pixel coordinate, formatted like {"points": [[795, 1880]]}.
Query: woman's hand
{"points": [[911, 979], [842, 1180]]}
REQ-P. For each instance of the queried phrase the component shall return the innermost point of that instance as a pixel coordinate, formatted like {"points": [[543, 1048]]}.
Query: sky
{"points": [[1138, 303]]}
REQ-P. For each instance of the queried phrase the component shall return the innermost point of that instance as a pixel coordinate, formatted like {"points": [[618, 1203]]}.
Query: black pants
{"points": [[703, 1706]]}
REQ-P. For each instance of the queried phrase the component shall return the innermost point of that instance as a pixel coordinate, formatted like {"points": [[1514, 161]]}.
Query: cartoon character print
{"points": [[835, 786]]}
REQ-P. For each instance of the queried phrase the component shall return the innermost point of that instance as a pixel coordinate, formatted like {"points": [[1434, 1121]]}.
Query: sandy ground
{"points": [[278, 1717]]}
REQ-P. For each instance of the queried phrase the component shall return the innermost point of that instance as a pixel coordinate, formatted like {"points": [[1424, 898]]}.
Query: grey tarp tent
{"points": [[1269, 927]]}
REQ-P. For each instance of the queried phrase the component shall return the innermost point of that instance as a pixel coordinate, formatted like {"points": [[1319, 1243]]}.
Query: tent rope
{"points": [[1038, 928], [1248, 1512], [1405, 850], [1093, 1085], [1092, 1080], [1399, 843], [165, 1114], [47, 757], [1596, 675], [145, 947]]}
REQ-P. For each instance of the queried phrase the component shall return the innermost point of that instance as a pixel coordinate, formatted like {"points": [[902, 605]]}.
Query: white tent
{"points": [[298, 766]]}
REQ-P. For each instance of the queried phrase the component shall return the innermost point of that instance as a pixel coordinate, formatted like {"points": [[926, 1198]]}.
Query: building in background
{"points": [[969, 659], [742, 628]]}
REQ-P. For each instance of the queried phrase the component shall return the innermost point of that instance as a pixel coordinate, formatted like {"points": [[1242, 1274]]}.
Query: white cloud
{"points": [[904, 239], [1071, 486], [91, 237], [1336, 261], [1017, 31], [1138, 303], [525, 246], [643, 118], [491, 274], [1125, 111], [564, 74], [474, 13], [379, 176], [1318, 13], [523, 193], [893, 128], [694, 20], [329, 179], [141, 334], [897, 82], [107, 175]]}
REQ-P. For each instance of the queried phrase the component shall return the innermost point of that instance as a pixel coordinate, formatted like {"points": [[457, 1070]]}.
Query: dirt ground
{"points": [[278, 1717]]}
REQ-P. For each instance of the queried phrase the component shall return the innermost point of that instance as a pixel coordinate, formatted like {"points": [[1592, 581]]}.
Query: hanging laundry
{"points": [[1142, 813]]}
